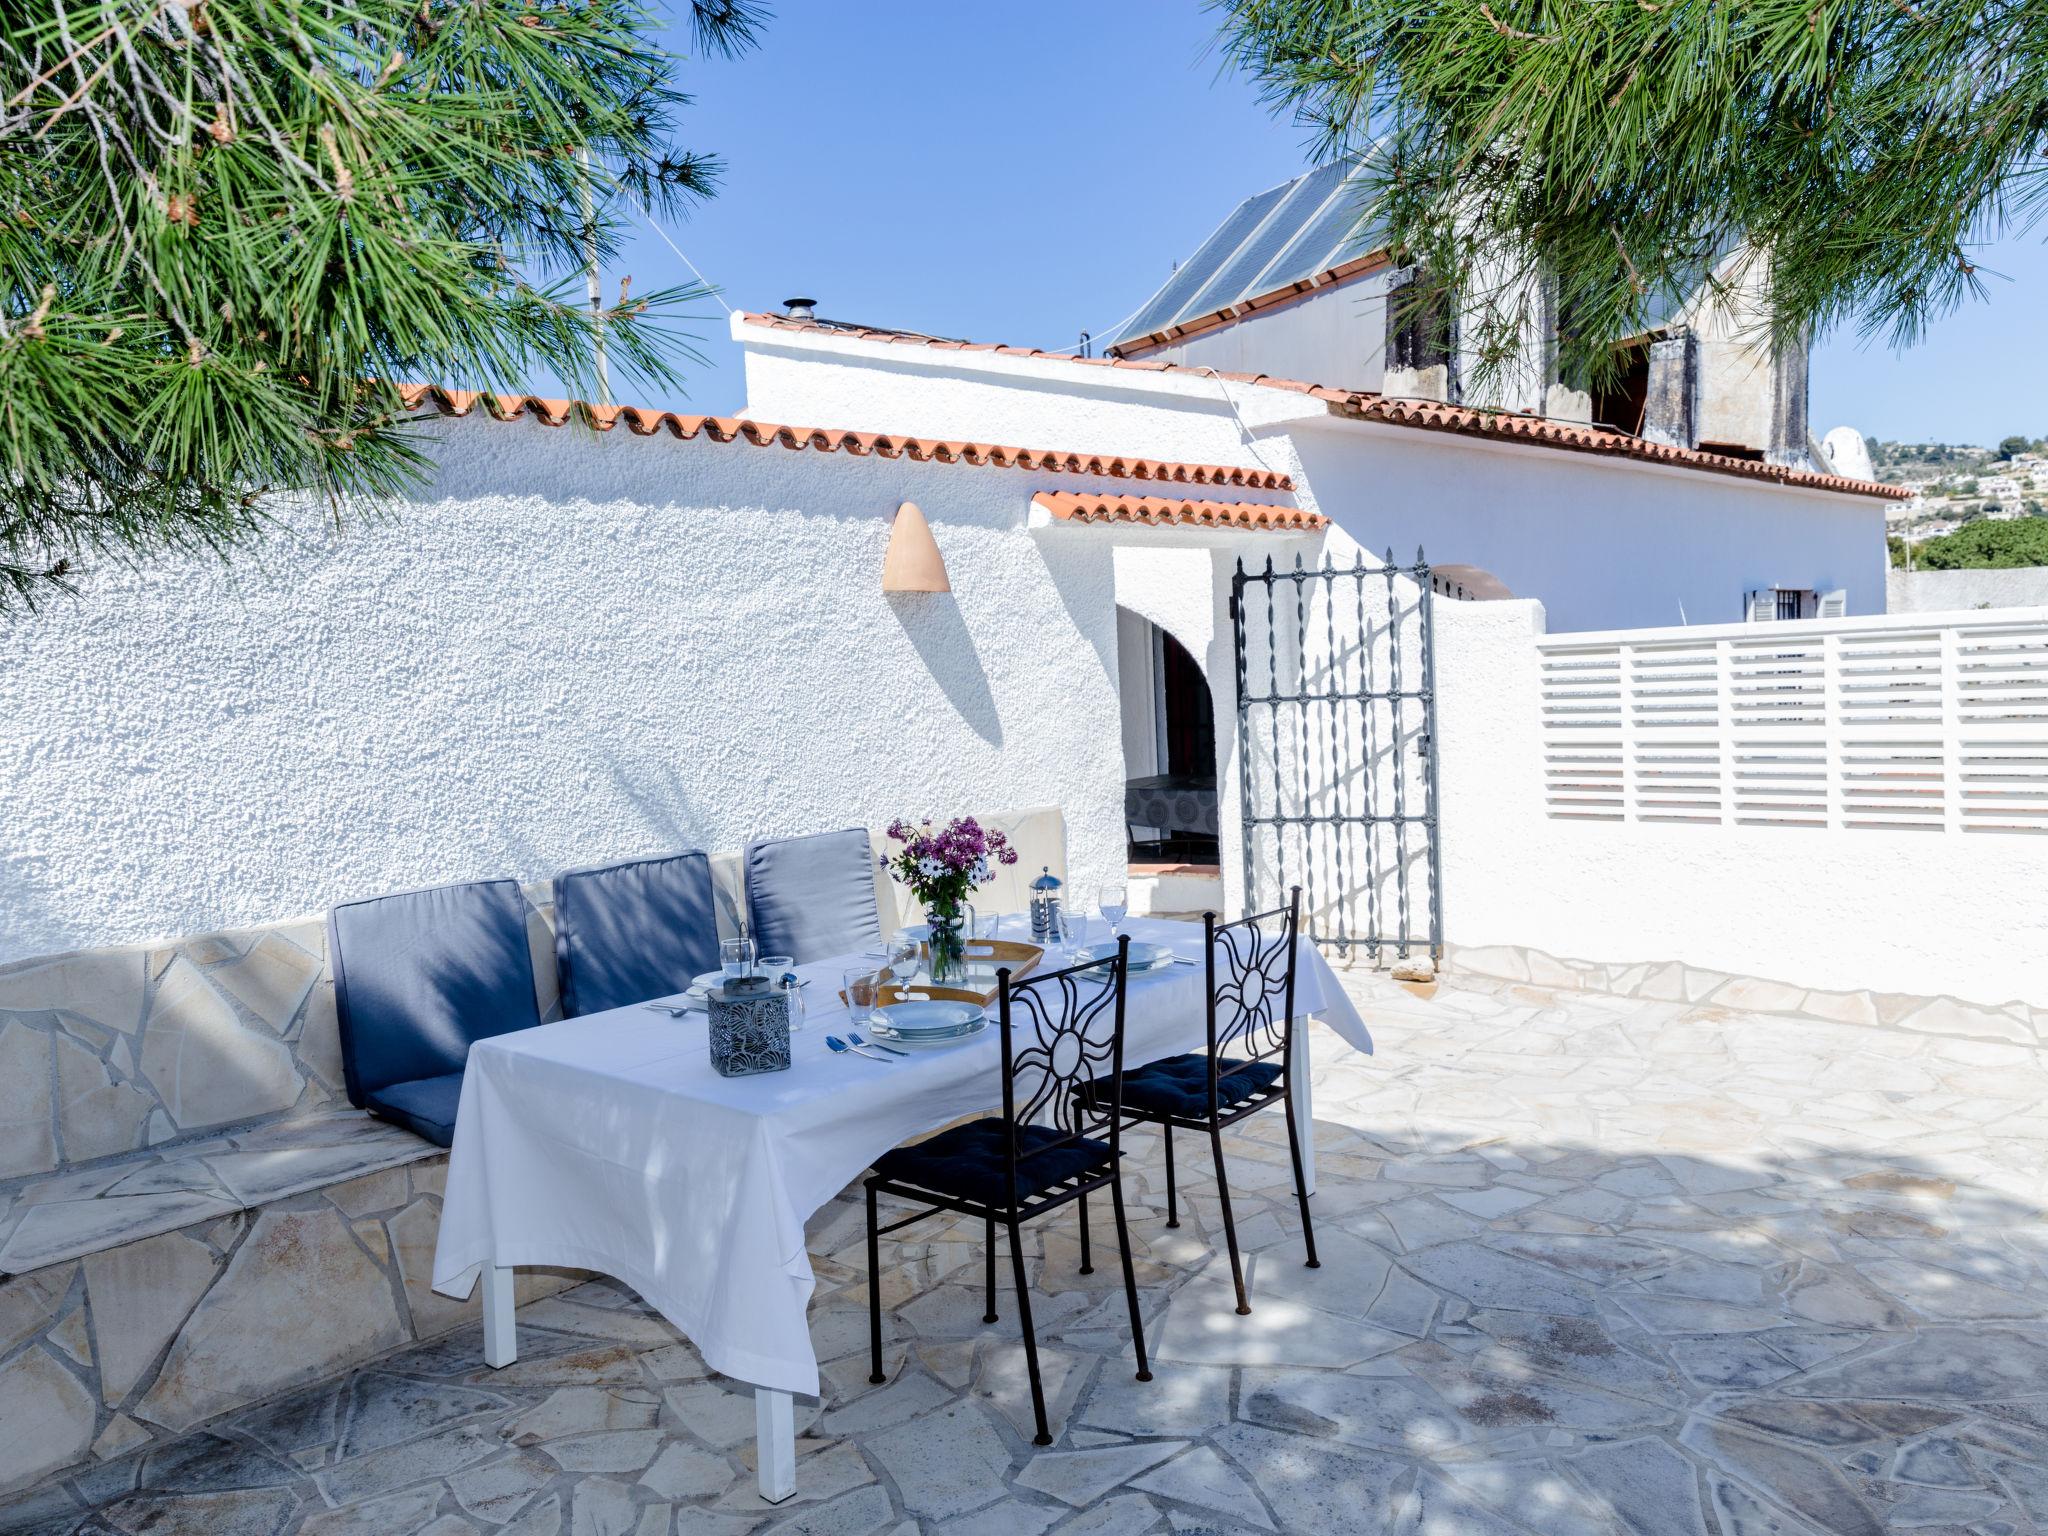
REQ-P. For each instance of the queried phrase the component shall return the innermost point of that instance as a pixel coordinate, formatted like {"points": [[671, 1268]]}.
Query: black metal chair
{"points": [[1046, 1149], [1250, 969]]}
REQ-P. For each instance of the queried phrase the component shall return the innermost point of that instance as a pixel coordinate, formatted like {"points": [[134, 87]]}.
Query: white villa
{"points": [[1159, 615]]}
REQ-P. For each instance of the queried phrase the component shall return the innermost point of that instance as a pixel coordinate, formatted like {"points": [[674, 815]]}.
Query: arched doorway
{"points": [[1169, 738]]}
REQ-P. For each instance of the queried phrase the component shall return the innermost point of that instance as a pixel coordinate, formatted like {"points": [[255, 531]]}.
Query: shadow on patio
{"points": [[1590, 1265]]}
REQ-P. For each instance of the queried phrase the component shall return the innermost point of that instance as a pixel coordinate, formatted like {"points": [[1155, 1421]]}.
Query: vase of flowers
{"points": [[942, 867]]}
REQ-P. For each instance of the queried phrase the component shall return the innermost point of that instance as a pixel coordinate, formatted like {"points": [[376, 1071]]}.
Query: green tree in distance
{"points": [[1863, 147], [1985, 546], [228, 228], [2009, 446]]}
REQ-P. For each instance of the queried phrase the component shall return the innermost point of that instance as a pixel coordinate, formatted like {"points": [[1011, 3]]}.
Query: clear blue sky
{"points": [[1020, 173]]}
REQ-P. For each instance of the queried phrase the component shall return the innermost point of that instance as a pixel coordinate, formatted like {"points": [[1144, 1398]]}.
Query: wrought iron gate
{"points": [[1336, 717]]}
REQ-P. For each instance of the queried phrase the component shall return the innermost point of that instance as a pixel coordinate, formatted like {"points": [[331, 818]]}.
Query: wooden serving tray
{"points": [[984, 958]]}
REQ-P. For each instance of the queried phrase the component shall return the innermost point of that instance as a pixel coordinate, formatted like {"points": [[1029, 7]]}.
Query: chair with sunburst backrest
{"points": [[1057, 1139], [1250, 967]]}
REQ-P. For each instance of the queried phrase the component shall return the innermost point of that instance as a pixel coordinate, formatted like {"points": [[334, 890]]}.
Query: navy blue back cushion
{"points": [[419, 975], [813, 897], [627, 932]]}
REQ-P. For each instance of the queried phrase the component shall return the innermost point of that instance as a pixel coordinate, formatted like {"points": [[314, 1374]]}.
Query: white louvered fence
{"points": [[1927, 723]]}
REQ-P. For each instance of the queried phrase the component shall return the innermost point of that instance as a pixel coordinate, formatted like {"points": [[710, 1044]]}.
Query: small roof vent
{"points": [[803, 311]]}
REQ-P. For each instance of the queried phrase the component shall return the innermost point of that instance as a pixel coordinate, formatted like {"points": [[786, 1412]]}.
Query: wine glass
{"points": [[1114, 903], [904, 954]]}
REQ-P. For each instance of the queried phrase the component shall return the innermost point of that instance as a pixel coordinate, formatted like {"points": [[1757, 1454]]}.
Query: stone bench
{"points": [[191, 1216]]}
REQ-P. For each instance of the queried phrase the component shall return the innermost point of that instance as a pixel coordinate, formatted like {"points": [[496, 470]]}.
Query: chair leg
{"points": [[1044, 1436], [1172, 1199], [874, 1296], [1308, 1226], [1244, 1307], [1087, 1262], [988, 1313], [1123, 1243]]}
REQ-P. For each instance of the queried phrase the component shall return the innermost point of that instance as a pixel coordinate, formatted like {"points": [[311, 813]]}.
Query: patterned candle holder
{"points": [[749, 1027]]}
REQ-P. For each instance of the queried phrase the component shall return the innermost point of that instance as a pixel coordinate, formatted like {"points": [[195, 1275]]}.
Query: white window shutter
{"points": [[1762, 605], [1835, 604]]}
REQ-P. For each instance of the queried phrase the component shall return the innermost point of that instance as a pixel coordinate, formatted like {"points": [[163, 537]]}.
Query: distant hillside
{"points": [[1944, 464]]}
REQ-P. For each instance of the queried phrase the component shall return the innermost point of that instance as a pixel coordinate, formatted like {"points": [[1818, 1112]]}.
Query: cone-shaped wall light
{"points": [[913, 563]]}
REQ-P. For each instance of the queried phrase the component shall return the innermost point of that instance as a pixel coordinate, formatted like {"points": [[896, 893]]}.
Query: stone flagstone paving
{"points": [[1591, 1265]]}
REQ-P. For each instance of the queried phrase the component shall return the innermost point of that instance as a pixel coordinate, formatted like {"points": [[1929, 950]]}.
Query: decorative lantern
{"points": [[749, 1026], [1048, 923]]}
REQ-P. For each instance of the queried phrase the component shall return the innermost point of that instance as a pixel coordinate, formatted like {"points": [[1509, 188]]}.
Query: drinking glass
{"points": [[1114, 905], [736, 956], [987, 925], [863, 990]]}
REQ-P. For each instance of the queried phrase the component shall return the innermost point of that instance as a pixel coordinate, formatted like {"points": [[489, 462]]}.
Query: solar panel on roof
{"points": [[1329, 239], [1278, 237], [1235, 278], [1168, 304]]}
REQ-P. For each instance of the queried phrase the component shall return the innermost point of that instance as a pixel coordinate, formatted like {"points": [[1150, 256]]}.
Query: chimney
{"points": [[802, 311]]}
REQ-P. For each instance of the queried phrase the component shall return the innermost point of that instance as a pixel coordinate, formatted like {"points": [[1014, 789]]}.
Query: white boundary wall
{"points": [[1834, 816], [569, 648], [1944, 591]]}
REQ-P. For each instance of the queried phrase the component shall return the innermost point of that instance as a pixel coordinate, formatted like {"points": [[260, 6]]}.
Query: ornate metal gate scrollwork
{"points": [[1336, 733]]}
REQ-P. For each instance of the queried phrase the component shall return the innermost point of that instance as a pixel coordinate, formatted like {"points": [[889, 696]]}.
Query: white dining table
{"points": [[609, 1143]]}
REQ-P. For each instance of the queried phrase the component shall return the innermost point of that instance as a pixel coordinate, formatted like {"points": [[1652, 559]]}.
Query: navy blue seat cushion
{"points": [[421, 974], [625, 933], [426, 1108], [813, 897], [1179, 1085], [968, 1161]]}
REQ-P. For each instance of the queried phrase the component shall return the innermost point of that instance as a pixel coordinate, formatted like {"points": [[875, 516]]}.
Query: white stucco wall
{"points": [[570, 648], [1947, 591], [1335, 335], [1901, 911], [1602, 542]]}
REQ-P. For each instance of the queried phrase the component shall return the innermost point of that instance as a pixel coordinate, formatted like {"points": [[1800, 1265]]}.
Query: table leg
{"points": [[1303, 1093], [500, 1345], [775, 1443]]}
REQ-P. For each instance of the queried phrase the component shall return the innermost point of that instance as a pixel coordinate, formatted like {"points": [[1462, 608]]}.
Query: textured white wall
{"points": [[1335, 336], [1603, 543], [1948, 591], [1965, 916], [571, 648]]}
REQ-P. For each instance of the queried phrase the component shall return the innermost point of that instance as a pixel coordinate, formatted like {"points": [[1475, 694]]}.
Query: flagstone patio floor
{"points": [[1590, 1265]]}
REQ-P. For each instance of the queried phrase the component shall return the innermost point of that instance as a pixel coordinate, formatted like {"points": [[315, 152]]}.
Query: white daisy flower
{"points": [[980, 873], [930, 867]]}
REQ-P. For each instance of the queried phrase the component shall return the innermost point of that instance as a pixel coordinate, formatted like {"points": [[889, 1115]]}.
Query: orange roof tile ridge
{"points": [[645, 422], [1173, 511], [1424, 415]]}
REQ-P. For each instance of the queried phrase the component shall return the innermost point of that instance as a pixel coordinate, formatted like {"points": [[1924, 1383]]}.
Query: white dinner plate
{"points": [[939, 1017], [1144, 957], [967, 1031]]}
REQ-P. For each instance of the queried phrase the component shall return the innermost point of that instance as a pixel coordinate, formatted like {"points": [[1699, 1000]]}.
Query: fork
{"points": [[859, 1041], [839, 1047]]}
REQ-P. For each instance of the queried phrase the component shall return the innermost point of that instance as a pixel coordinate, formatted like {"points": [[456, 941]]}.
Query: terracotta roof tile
{"points": [[1216, 319], [1174, 512], [762, 434], [1427, 415]]}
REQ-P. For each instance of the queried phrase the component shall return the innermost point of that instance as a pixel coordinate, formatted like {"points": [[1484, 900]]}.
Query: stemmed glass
{"points": [[1114, 904], [904, 955]]}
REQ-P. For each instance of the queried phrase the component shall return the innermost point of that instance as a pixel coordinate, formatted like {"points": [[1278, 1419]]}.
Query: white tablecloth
{"points": [[609, 1143]]}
